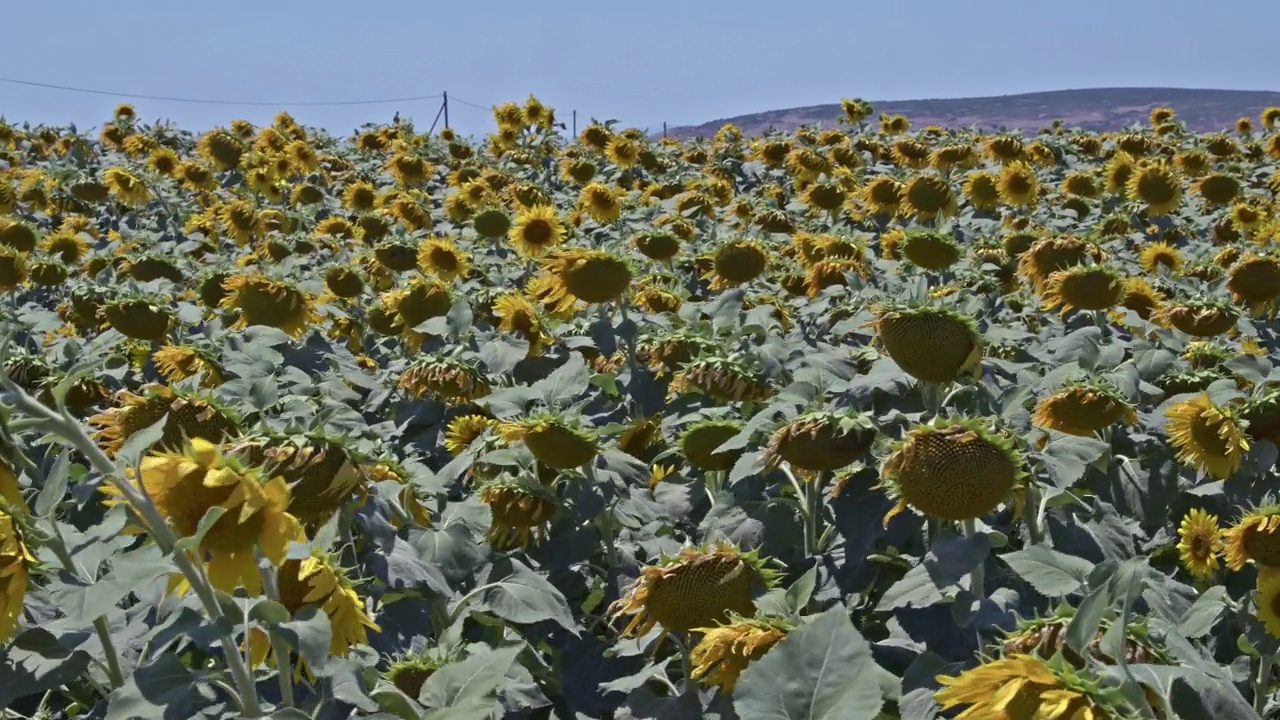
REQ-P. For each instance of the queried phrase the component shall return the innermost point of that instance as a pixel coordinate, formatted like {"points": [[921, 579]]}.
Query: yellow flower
{"points": [[128, 188], [186, 485], [1269, 604], [1025, 687], [1256, 537], [725, 651], [15, 563], [1200, 543], [1207, 436]]}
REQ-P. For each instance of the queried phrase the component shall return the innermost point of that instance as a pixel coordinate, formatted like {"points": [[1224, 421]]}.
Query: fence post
{"points": [[664, 128], [446, 108], [575, 123]]}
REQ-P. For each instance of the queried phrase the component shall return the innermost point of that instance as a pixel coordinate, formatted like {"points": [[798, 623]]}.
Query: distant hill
{"points": [[1091, 109]]}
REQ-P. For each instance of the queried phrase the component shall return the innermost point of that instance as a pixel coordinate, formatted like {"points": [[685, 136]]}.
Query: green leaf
{"points": [[165, 688], [1204, 613], [567, 383], [37, 662], [310, 634], [523, 596], [801, 591], [1051, 573], [1250, 367], [821, 670], [948, 563], [269, 612], [55, 485], [139, 443], [1088, 619], [391, 700], [473, 681], [85, 600], [1067, 457], [460, 317]]}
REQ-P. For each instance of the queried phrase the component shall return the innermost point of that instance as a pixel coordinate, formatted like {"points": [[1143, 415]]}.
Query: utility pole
{"points": [[664, 128], [446, 108], [575, 123]]}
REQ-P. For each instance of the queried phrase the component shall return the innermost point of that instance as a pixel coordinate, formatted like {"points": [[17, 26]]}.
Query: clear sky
{"points": [[639, 62]]}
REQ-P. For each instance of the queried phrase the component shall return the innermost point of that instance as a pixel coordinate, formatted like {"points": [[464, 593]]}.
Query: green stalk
{"points": [[58, 545], [284, 660], [1262, 682], [1031, 514], [69, 429]]}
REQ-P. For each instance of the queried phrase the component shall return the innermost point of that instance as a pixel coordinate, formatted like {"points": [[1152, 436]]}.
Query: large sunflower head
{"points": [[442, 258], [272, 302], [1156, 185], [186, 415], [883, 195], [953, 469], [536, 230], [1202, 317], [1254, 280], [221, 148], [700, 442], [1200, 543], [982, 187], [515, 314], [321, 472], [589, 276], [1051, 254], [1018, 184], [1030, 687], [561, 443], [657, 245], [698, 588], [1160, 255], [737, 262], [930, 343], [186, 484], [419, 301], [927, 197], [139, 318], [1083, 408], [1207, 435]]}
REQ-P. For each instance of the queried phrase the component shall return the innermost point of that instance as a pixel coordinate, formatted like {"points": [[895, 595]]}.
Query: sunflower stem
{"points": [[812, 516], [1031, 514], [690, 687], [284, 660], [69, 429], [1262, 682], [976, 579]]}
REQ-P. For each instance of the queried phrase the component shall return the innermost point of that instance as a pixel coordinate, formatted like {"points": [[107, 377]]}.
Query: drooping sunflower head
{"points": [[1208, 436], [737, 262], [408, 674], [698, 588], [953, 469], [982, 187], [1028, 686], [724, 378], [1083, 287], [927, 197], [727, 649], [883, 195], [187, 415], [700, 442], [589, 276], [185, 484], [1051, 254], [319, 580], [262, 300], [409, 170], [448, 380], [930, 249], [221, 148], [419, 301], [322, 474], [669, 352], [657, 245], [1254, 280], [1083, 408], [1205, 354], [179, 362], [515, 314], [16, 563], [820, 440], [930, 343], [1045, 637], [139, 318], [344, 281], [1201, 317], [1255, 537], [559, 442], [521, 511]]}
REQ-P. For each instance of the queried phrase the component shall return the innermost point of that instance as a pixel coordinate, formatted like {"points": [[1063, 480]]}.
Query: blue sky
{"points": [[639, 62]]}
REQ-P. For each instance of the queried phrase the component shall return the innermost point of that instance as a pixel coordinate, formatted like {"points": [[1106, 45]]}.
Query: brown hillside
{"points": [[1092, 109]]}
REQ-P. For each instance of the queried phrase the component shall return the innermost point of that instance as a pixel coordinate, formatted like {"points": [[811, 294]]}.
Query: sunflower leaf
{"points": [[310, 633], [566, 383], [1204, 613], [164, 688], [1250, 367], [55, 485], [470, 682], [520, 595], [1051, 573], [823, 670], [131, 451], [1067, 457], [1088, 618], [211, 516]]}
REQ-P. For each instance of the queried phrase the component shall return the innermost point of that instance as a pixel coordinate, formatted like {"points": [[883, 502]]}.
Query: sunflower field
{"points": [[859, 422]]}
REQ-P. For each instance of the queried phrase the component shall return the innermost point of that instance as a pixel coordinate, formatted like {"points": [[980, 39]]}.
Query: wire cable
{"points": [[468, 102], [198, 101]]}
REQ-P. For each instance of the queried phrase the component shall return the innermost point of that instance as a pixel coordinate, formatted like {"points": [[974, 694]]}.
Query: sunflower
{"points": [[1254, 280], [1018, 185], [982, 187], [16, 562], [883, 195], [736, 262], [127, 187], [623, 151], [320, 473], [928, 197], [442, 258], [185, 485], [13, 269], [827, 196], [520, 512], [697, 588], [267, 301], [1156, 185], [721, 378], [408, 170], [1084, 287], [1246, 215], [929, 249], [657, 245], [1255, 536], [517, 315], [186, 416], [559, 443], [1200, 543], [221, 149], [447, 380], [1049, 255], [464, 430], [953, 469], [238, 219], [1004, 148], [1208, 436], [699, 444], [318, 581], [344, 282], [932, 344], [1268, 604], [601, 202], [536, 230], [139, 318], [724, 651], [1198, 317], [820, 440], [1026, 687], [1160, 254], [894, 124], [1084, 408], [179, 362]]}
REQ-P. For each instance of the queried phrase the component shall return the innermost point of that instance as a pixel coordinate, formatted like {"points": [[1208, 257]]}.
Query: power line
{"points": [[455, 98], [222, 102]]}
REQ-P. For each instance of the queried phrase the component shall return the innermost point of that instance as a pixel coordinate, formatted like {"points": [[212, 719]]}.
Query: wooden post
{"points": [[664, 128], [446, 108], [575, 123]]}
